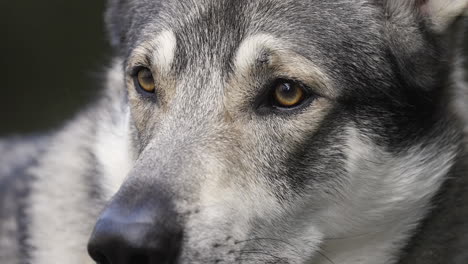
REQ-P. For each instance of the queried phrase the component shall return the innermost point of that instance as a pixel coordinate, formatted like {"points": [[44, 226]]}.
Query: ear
{"points": [[417, 35], [443, 12], [438, 14]]}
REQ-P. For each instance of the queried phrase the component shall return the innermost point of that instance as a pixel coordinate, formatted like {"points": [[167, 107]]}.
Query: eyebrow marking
{"points": [[283, 60], [164, 54], [250, 50], [158, 52]]}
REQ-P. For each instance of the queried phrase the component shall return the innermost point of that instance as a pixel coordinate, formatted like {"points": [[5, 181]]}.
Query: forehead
{"points": [[216, 27], [341, 38]]}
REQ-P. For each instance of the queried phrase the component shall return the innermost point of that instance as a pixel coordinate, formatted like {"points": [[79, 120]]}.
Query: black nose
{"points": [[135, 234]]}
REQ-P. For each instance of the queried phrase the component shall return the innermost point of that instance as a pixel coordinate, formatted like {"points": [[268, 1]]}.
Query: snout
{"points": [[136, 231]]}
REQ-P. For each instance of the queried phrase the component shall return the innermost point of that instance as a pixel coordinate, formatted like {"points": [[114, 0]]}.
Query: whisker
{"points": [[321, 253], [353, 236], [259, 253], [267, 238]]}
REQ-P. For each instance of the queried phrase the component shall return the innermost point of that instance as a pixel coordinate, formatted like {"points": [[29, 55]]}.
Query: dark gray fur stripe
{"points": [[442, 236], [15, 190], [23, 190], [92, 175]]}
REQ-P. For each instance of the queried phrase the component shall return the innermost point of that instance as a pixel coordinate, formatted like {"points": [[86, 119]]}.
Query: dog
{"points": [[257, 131]]}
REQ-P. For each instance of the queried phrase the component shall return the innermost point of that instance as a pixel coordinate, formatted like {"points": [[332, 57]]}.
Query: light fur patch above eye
{"points": [[165, 51], [285, 62], [158, 52], [251, 49]]}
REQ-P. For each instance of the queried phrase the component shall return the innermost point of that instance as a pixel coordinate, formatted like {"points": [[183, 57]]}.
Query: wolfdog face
{"points": [[276, 131]]}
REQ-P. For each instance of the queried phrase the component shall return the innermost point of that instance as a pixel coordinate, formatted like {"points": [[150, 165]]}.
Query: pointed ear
{"points": [[417, 34], [439, 14], [443, 12]]}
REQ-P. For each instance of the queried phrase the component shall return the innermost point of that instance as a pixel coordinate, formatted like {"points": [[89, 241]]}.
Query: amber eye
{"points": [[288, 94], [145, 80]]}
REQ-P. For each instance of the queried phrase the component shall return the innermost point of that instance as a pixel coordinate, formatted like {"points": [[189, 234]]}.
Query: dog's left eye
{"points": [[288, 94]]}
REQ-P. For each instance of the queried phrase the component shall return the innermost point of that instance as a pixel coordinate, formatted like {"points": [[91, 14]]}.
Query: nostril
{"points": [[98, 257], [139, 259], [117, 242], [130, 233]]}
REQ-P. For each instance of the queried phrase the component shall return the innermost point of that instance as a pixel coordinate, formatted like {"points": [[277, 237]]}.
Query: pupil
{"points": [[147, 80], [145, 77], [287, 90]]}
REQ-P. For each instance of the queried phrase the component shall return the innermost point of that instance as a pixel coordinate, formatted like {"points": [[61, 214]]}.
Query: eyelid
{"points": [[313, 87], [263, 101], [293, 66], [138, 58], [133, 71], [307, 88]]}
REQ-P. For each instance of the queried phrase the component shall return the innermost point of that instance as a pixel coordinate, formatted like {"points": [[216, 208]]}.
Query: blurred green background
{"points": [[53, 55]]}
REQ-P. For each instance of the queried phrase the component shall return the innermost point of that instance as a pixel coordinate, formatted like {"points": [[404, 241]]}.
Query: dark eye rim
{"points": [[266, 102], [136, 83]]}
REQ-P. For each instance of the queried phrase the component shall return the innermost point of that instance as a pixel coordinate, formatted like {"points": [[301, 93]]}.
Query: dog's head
{"points": [[277, 131]]}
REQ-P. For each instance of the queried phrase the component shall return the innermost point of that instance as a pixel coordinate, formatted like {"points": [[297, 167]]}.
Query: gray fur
{"points": [[365, 173]]}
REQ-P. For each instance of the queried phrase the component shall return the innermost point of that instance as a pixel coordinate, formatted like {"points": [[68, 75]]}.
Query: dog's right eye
{"points": [[287, 94], [144, 80], [284, 96]]}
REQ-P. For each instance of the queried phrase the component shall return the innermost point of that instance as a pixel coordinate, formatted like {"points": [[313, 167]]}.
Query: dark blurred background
{"points": [[53, 53]]}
